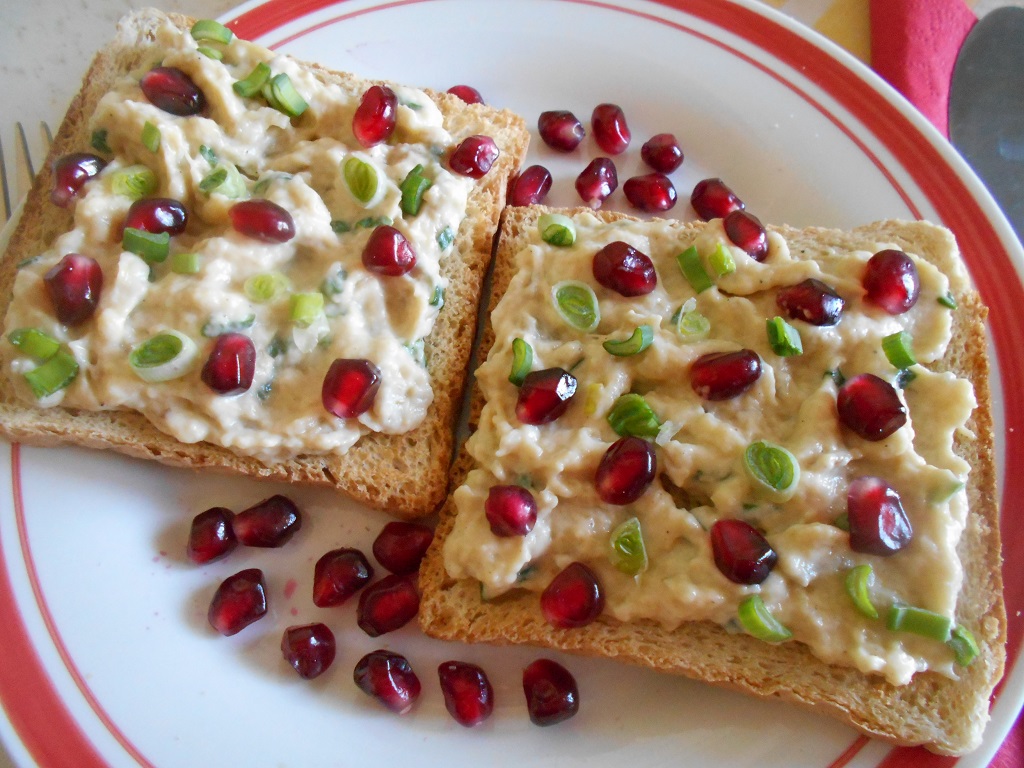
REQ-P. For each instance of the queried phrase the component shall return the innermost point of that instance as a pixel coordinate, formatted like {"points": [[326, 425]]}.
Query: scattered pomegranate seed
{"points": [[812, 301], [545, 395], [622, 268], [468, 695], [376, 116], [610, 130], [747, 232], [70, 172], [231, 365], [388, 252], [741, 553], [531, 186], [350, 387], [309, 648], [551, 692], [878, 524], [560, 130], [712, 199], [400, 546], [388, 604], [271, 523], [156, 215], [597, 181], [891, 281], [210, 536], [389, 678], [573, 598], [662, 152], [650, 192], [467, 93], [870, 406], [626, 470], [338, 575], [510, 510], [724, 375], [74, 286], [239, 601], [170, 89], [474, 156], [262, 220]]}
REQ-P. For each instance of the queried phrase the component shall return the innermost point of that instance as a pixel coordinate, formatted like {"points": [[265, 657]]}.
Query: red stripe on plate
{"points": [[851, 752]]}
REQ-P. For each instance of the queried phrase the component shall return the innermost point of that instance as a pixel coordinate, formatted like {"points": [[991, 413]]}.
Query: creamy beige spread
{"points": [[700, 448], [296, 163]]}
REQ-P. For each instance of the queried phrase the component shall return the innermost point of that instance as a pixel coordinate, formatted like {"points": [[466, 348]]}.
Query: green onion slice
{"points": [[842, 522], [185, 263], [134, 181], [437, 297], [774, 470], [284, 96], [690, 324], [266, 286], [150, 136], [556, 229], [630, 415], [166, 356], [219, 324], [899, 349], [340, 227], [904, 376], [208, 154], [225, 179], [253, 82], [211, 53], [412, 189], [99, 141], [370, 222], [947, 300], [153, 247], [783, 338], [759, 622], [721, 260], [576, 303], [445, 238], [945, 491], [34, 343], [334, 282], [208, 29], [363, 180], [306, 308], [837, 376], [53, 375], [858, 582], [919, 621], [693, 269], [965, 647], [640, 340], [628, 553], [522, 361]]}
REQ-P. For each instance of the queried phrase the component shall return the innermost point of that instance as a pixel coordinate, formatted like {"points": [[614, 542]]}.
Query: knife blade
{"points": [[986, 108]]}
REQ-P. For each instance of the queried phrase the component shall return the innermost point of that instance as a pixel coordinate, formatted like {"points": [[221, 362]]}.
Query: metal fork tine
{"points": [[3, 184], [25, 149]]}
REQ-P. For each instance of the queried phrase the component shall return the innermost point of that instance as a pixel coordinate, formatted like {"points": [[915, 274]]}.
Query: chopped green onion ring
{"points": [[219, 324], [340, 227], [211, 53], [208, 154], [640, 340], [965, 647], [334, 281], [34, 343], [185, 263], [774, 470], [266, 286], [628, 552], [947, 300], [556, 229], [53, 375], [858, 582], [919, 621], [363, 180], [757, 620], [99, 141], [693, 269], [306, 308], [783, 338], [630, 415], [842, 522], [576, 303], [522, 361], [168, 355], [208, 29], [412, 189], [253, 83], [153, 247], [899, 349], [285, 98], [721, 260], [134, 181], [437, 297], [150, 136], [445, 238]]}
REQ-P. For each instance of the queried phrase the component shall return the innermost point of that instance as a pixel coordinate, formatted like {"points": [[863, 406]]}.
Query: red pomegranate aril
{"points": [[812, 301], [878, 524], [400, 546], [231, 365], [338, 575], [468, 695], [511, 510], [474, 156], [388, 604], [662, 152], [376, 116], [597, 181], [388, 252], [309, 648], [891, 281], [74, 286], [610, 130], [870, 406], [626, 470], [622, 268], [741, 553], [545, 395], [560, 130], [467, 93], [551, 692], [70, 172], [389, 678], [573, 598], [531, 186], [350, 387], [724, 375], [210, 536], [262, 220], [712, 199], [170, 89], [240, 600], [747, 232], [651, 192], [157, 215], [270, 523]]}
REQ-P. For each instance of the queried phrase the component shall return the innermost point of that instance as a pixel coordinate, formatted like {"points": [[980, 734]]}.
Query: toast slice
{"points": [[945, 712], [405, 473]]}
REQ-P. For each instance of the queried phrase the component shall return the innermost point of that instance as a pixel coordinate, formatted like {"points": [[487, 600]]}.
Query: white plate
{"points": [[107, 657]]}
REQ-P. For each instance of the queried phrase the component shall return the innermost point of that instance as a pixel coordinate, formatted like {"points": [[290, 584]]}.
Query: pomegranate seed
{"points": [[262, 220], [271, 523], [870, 407], [231, 365], [560, 130], [309, 648], [551, 692], [878, 524], [467, 93], [389, 678], [573, 598], [474, 156], [812, 301], [376, 116], [338, 575], [388, 605], [388, 253], [626, 470], [891, 281], [400, 546], [511, 510], [74, 286], [531, 186], [622, 268], [712, 199], [468, 695], [662, 152], [747, 231], [239, 601], [211, 537], [650, 192], [741, 553], [597, 181], [350, 387], [170, 89], [156, 215], [724, 375], [70, 172], [610, 130], [545, 395]]}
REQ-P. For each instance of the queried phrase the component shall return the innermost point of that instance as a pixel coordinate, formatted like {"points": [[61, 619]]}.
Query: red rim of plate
{"points": [[38, 713]]}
